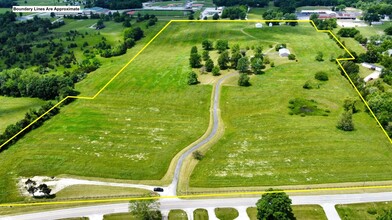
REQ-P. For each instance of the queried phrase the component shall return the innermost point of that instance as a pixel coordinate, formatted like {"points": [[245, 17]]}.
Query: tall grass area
{"points": [[365, 211], [263, 145], [14, 109]]}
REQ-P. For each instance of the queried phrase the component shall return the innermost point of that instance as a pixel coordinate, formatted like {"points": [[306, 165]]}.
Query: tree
{"points": [[274, 205], [319, 56], [100, 24], [52, 14], [223, 60], [222, 45], [291, 57], [243, 65], [209, 65], [235, 56], [127, 23], [192, 78], [195, 60], [191, 17], [215, 16], [134, 33], [243, 80], [216, 71], [207, 45], [322, 76], [388, 30], [346, 122], [193, 49], [197, 155], [206, 55], [257, 65], [146, 209]]}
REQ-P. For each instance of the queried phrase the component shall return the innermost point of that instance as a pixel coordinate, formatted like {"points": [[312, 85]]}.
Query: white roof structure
{"points": [[389, 52], [284, 52], [259, 25]]}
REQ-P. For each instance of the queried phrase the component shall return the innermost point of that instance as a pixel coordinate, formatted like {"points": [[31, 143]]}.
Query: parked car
{"points": [[158, 189]]}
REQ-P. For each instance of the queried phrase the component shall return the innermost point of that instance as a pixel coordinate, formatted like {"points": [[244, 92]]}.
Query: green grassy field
{"points": [[369, 31], [301, 212], [13, 109], [226, 213], [200, 214], [131, 131], [120, 216], [263, 145], [88, 191], [177, 214], [364, 211]]}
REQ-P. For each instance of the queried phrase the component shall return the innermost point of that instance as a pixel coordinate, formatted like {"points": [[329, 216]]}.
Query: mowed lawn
{"points": [[14, 109], [263, 145], [365, 211]]}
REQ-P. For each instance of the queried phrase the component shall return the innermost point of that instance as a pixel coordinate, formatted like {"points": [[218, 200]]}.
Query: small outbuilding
{"points": [[389, 52], [259, 25], [284, 52]]}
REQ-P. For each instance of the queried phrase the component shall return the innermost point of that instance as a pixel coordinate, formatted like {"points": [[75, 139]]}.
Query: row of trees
{"points": [[323, 24], [30, 116], [235, 12], [273, 14]]}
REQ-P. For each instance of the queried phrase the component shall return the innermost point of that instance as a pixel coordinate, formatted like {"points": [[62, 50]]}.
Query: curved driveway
{"points": [[215, 125]]}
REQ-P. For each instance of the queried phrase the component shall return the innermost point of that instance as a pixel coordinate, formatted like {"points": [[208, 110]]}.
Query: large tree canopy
{"points": [[274, 206]]}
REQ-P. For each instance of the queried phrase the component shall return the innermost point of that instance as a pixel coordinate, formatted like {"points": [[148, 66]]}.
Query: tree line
{"points": [[30, 116]]}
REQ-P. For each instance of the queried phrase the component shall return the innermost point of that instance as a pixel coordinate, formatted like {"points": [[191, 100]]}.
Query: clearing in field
{"points": [[135, 127]]}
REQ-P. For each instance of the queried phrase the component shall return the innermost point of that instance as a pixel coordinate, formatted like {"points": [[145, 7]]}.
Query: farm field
{"points": [[365, 211], [147, 110], [264, 145], [134, 128], [14, 109]]}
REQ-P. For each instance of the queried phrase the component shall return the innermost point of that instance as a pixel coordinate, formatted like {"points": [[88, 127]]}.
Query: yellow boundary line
{"points": [[205, 195]]}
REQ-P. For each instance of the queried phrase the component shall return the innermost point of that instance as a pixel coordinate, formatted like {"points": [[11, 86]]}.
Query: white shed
{"points": [[259, 25], [284, 52]]}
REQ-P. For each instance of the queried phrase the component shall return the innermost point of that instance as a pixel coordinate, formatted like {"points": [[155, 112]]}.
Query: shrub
{"points": [[272, 64], [346, 122], [291, 57], [216, 71], [319, 56], [197, 155], [243, 80], [307, 85], [192, 78], [322, 76]]}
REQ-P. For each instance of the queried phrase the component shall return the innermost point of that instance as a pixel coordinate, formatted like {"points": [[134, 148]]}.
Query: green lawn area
{"points": [[200, 214], [226, 213], [353, 45], [263, 145], [14, 109], [301, 212], [364, 211], [4, 10], [120, 216], [369, 31], [84, 191], [177, 214]]}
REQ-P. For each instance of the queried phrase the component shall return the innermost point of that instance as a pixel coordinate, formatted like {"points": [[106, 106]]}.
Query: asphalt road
{"points": [[215, 125], [327, 201]]}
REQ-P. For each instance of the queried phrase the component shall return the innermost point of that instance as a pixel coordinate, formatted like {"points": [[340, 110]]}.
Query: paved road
{"points": [[215, 125], [324, 200]]}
